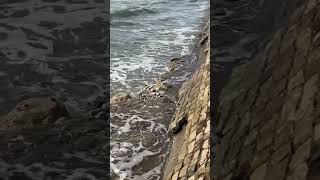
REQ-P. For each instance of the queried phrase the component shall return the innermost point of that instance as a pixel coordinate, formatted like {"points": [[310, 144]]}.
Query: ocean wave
{"points": [[131, 12]]}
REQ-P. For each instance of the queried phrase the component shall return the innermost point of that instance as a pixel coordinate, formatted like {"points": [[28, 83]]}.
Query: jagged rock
{"points": [[120, 97], [34, 112], [173, 63], [204, 39]]}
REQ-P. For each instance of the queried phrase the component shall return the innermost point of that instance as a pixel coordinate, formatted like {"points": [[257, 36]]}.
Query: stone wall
{"points": [[268, 125], [190, 126]]}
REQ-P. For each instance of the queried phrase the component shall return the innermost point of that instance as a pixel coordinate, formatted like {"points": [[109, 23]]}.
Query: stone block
{"points": [[261, 157], [299, 173], [183, 171], [301, 154], [296, 80], [303, 131], [316, 135], [259, 173], [278, 171], [175, 176], [281, 153], [303, 42], [264, 140], [284, 135], [191, 146]]}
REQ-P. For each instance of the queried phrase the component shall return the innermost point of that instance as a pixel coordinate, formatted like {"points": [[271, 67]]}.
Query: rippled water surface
{"points": [[145, 34], [52, 47]]}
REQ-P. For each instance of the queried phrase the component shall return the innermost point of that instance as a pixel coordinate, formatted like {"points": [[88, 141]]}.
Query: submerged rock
{"points": [[120, 97], [33, 112]]}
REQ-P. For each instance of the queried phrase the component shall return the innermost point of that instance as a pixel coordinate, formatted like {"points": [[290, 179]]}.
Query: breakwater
{"points": [[190, 126], [268, 111]]}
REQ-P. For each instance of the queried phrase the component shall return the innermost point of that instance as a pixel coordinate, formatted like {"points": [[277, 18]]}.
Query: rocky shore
{"points": [[190, 126], [158, 100]]}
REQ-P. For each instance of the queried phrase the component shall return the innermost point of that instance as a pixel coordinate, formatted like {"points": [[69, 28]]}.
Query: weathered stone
{"points": [[280, 153], [309, 91], [207, 130], [192, 169], [175, 176], [273, 49], [303, 131], [187, 159], [246, 154], [191, 146], [284, 63], [204, 156], [199, 136], [234, 150], [178, 166], [264, 140], [289, 108], [301, 154], [201, 170], [310, 5], [206, 144], [283, 135], [195, 156], [251, 137], [303, 41], [278, 171], [182, 156], [120, 97], [183, 171], [300, 172], [229, 167], [259, 173], [192, 136], [296, 80], [232, 121], [260, 157], [317, 132], [298, 63], [314, 56]]}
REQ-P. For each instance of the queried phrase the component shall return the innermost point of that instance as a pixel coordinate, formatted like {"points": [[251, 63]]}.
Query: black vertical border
{"points": [[212, 96], [107, 47]]}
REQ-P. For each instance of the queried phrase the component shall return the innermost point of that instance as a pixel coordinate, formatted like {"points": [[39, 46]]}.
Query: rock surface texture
{"points": [[268, 124], [190, 152]]}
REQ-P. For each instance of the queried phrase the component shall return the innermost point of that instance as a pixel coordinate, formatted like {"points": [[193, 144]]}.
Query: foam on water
{"points": [[145, 34], [129, 153]]}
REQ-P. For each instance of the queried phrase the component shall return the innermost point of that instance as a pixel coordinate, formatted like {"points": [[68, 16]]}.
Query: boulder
{"points": [[33, 112], [120, 97]]}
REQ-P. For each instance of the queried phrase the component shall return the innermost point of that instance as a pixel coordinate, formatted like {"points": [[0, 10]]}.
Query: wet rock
{"points": [[120, 97], [174, 62], [34, 112]]}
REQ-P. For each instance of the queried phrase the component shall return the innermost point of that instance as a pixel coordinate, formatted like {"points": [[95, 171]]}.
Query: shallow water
{"points": [[145, 34]]}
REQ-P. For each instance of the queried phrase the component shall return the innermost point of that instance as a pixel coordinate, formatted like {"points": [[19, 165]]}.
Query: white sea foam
{"points": [[141, 49], [126, 154]]}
